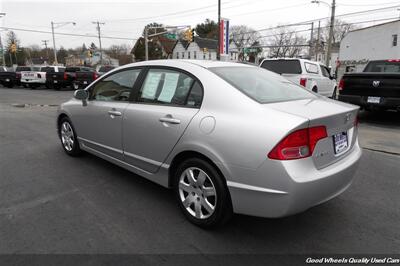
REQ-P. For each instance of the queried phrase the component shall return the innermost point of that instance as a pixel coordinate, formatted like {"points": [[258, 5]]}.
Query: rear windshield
{"points": [[282, 66], [72, 69], [383, 66], [105, 68], [262, 85], [23, 68]]}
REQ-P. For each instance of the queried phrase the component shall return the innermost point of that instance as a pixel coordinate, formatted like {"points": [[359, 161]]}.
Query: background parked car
{"points": [[64, 79], [104, 69], [84, 77], [37, 77], [7, 78], [376, 88], [309, 74]]}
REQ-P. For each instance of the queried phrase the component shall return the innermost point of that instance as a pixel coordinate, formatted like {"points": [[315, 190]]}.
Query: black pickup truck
{"points": [[376, 88], [84, 78], [58, 80], [10, 79]]}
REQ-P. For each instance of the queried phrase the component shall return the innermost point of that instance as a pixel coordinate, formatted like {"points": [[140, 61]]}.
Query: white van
{"points": [[309, 74]]}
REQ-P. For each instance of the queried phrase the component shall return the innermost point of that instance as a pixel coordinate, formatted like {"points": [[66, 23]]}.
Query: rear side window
{"points": [[311, 68], [282, 66], [72, 69], [261, 85], [388, 66], [165, 86]]}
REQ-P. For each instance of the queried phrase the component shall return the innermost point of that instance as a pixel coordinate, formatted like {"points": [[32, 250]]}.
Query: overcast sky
{"points": [[126, 18]]}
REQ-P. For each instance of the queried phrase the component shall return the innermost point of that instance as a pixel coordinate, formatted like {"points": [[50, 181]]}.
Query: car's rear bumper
{"points": [[295, 188], [384, 103], [33, 81]]}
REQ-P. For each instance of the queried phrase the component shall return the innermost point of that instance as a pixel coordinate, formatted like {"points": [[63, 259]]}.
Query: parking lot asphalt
{"points": [[52, 203]]}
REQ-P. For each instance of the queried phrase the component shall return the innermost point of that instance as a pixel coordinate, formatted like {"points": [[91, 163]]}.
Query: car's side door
{"points": [[99, 123], [166, 102]]}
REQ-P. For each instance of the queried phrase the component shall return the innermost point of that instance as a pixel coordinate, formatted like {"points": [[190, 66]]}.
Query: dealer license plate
{"points": [[373, 99], [340, 141]]}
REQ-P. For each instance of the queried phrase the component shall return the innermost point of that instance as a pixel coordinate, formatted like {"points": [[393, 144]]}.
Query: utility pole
{"points": [[146, 43], [1, 43], [54, 44], [219, 30], [311, 40], [99, 33], [318, 40], [331, 26], [45, 45]]}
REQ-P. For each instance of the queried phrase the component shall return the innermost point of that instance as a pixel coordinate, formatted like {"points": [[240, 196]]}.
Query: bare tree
{"points": [[243, 37], [286, 43], [340, 29]]}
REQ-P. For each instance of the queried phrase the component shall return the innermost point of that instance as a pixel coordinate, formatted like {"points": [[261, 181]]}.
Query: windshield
{"points": [[282, 66], [383, 66], [262, 85]]}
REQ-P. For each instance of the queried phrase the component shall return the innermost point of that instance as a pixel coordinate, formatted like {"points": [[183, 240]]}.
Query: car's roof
{"points": [[183, 62], [291, 59]]}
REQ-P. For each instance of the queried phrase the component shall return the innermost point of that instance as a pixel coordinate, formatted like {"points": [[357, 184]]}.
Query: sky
{"points": [[125, 19]]}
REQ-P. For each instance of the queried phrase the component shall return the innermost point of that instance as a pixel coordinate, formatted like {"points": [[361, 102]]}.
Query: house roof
{"points": [[378, 25], [167, 44], [210, 44]]}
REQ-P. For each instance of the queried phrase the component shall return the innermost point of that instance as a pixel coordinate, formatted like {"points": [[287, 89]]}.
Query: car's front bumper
{"points": [[384, 103], [290, 187]]}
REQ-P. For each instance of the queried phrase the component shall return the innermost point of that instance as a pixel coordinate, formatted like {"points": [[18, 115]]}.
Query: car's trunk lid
{"points": [[338, 118]]}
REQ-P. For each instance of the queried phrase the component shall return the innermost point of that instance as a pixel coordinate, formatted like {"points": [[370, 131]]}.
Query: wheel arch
{"points": [[184, 155]]}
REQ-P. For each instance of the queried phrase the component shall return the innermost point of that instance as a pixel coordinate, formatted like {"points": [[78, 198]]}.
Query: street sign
{"points": [[171, 36]]}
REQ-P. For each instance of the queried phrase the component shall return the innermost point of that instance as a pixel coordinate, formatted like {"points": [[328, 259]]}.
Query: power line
{"points": [[69, 34], [315, 20]]}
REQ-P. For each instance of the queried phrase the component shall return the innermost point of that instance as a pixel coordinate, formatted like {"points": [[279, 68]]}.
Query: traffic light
{"points": [[89, 53], [13, 48], [205, 50], [189, 35]]}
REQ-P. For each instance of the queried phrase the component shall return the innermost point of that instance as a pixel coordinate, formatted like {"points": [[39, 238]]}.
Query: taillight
{"points": [[65, 76], [298, 144], [18, 75], [95, 76], [303, 82], [341, 84]]}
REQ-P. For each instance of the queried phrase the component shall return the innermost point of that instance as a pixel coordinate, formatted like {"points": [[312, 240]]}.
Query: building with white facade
{"points": [[378, 42], [202, 49]]}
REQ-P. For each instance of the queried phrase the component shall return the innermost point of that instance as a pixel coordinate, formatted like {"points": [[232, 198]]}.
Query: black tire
{"points": [[10, 85], [223, 205], [75, 148]]}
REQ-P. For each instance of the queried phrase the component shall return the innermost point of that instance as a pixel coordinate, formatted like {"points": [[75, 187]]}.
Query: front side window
{"points": [[116, 87], [261, 85], [164, 86]]}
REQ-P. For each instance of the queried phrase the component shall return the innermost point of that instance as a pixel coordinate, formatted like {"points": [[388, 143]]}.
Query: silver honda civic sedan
{"points": [[227, 137]]}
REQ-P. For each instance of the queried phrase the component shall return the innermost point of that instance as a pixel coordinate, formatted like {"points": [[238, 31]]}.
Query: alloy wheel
{"points": [[197, 193], [67, 136]]}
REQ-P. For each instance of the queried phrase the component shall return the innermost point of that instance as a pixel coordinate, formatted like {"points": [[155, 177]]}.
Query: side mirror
{"points": [[81, 95]]}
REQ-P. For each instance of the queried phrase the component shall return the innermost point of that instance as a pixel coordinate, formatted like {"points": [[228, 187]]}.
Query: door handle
{"points": [[113, 113], [169, 120]]}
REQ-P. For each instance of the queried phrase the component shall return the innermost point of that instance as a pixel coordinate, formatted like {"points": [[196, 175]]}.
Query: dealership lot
{"points": [[52, 203]]}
